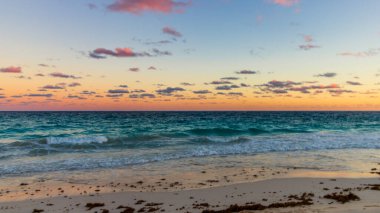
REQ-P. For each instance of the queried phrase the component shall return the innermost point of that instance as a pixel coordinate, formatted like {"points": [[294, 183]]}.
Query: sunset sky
{"points": [[189, 55]]}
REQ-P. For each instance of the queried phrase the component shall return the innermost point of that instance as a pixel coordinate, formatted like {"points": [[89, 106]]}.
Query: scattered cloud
{"points": [[308, 39], [171, 31], [139, 6], [308, 46], [367, 53]]}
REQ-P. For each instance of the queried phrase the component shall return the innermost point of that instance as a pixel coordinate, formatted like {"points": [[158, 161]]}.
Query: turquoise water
{"points": [[35, 142]]}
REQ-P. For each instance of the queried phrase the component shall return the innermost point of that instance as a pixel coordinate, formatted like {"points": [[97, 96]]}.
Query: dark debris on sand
{"points": [[127, 209], [342, 198], [304, 200], [90, 206]]}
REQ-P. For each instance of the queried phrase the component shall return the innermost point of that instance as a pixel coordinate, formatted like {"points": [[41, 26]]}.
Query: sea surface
{"points": [[42, 142]]}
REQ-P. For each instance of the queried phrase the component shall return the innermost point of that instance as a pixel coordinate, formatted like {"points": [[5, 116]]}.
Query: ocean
{"points": [[46, 142]]}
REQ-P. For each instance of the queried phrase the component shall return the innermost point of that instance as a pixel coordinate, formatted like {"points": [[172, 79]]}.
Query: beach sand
{"points": [[268, 190]]}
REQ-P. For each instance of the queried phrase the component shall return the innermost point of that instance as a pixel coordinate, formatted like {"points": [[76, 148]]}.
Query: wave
{"points": [[124, 151], [76, 140], [249, 131]]}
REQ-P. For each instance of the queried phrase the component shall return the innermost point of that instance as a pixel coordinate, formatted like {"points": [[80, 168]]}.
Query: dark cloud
{"points": [[134, 69], [327, 75], [169, 90], [244, 85], [201, 92], [39, 95], [118, 91], [219, 82], [279, 91], [123, 86], [74, 84], [138, 91], [142, 96], [158, 52], [152, 68], [340, 91], [76, 97], [230, 78], [280, 84], [308, 46], [115, 95], [53, 87], [62, 75], [226, 87], [354, 83], [246, 72], [87, 92], [187, 84]]}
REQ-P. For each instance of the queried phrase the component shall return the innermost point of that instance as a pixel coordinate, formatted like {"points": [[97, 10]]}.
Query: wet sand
{"points": [[227, 190]]}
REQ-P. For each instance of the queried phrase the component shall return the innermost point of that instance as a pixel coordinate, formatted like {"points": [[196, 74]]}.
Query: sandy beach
{"points": [[266, 190]]}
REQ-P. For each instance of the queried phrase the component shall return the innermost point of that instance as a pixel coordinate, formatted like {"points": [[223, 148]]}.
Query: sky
{"points": [[189, 55]]}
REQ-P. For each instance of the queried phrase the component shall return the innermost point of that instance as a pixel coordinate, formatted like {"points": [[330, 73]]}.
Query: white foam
{"points": [[76, 140]]}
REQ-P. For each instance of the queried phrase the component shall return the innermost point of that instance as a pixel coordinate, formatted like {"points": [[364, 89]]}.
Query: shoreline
{"points": [[265, 189], [287, 193]]}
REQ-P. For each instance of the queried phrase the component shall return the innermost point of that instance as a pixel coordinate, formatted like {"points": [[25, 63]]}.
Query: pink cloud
{"points": [[101, 53], [11, 69], [171, 31], [308, 38], [138, 6], [285, 3], [119, 52]]}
